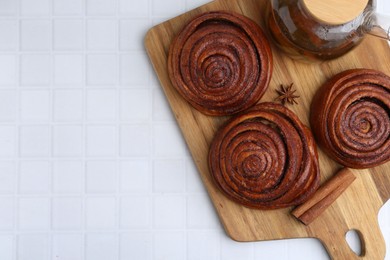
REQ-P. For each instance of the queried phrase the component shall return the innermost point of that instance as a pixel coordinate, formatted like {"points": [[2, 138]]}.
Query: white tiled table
{"points": [[92, 164]]}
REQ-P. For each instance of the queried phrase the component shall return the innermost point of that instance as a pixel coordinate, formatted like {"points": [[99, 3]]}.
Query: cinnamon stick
{"points": [[324, 197]]}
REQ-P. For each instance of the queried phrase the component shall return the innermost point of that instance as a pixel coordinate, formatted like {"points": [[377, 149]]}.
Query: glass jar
{"points": [[303, 36]]}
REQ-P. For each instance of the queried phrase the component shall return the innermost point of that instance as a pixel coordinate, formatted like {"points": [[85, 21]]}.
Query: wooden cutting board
{"points": [[357, 208]]}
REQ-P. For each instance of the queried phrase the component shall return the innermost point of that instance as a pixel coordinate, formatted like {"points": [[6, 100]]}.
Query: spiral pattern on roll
{"points": [[265, 158], [350, 118], [221, 63]]}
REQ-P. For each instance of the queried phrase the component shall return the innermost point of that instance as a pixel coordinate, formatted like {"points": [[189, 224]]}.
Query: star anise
{"points": [[287, 95]]}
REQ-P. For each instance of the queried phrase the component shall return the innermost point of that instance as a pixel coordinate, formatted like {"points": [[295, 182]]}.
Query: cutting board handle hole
{"points": [[355, 241]]}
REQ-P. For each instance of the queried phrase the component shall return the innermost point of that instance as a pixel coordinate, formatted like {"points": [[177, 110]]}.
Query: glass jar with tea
{"points": [[323, 29]]}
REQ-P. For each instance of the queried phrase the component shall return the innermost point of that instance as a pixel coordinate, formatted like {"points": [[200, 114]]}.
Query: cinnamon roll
{"points": [[221, 63], [265, 158], [350, 118]]}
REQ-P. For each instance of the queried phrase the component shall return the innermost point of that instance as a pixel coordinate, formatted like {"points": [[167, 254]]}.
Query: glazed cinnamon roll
{"points": [[265, 158], [221, 63], [350, 118]]}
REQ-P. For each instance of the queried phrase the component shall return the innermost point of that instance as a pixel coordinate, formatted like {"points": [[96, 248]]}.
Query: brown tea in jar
{"points": [[306, 34]]}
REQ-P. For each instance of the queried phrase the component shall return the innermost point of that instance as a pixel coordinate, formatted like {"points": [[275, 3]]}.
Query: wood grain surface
{"points": [[357, 208], [335, 11]]}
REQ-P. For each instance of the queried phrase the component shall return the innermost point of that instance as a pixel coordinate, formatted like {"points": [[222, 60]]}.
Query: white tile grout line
{"points": [[151, 157], [51, 115], [84, 117], [17, 142], [118, 138]]}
